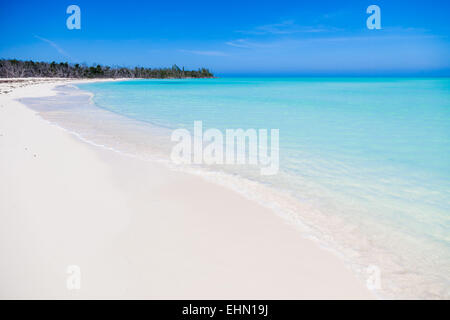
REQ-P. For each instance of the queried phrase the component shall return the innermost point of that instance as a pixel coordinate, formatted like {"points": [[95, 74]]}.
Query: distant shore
{"points": [[137, 229], [9, 84], [29, 68]]}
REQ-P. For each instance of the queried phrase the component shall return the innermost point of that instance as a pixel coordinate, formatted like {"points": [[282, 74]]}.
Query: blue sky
{"points": [[236, 37]]}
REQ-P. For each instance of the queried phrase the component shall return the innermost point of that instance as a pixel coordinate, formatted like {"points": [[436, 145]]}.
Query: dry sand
{"points": [[137, 229]]}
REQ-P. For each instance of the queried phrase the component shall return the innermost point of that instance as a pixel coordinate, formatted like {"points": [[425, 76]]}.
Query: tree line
{"points": [[24, 69]]}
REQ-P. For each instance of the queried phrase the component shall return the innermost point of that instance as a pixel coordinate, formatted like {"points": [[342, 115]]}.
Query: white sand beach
{"points": [[137, 229]]}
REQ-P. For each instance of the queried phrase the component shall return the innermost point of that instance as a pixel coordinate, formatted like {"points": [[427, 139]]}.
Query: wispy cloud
{"points": [[239, 43], [205, 52], [335, 14], [54, 45], [296, 42], [246, 44], [286, 27], [405, 30]]}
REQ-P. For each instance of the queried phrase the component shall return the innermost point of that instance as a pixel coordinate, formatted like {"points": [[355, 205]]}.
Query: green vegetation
{"points": [[25, 69]]}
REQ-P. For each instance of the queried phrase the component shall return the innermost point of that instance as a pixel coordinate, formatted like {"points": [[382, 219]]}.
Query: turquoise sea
{"points": [[364, 162]]}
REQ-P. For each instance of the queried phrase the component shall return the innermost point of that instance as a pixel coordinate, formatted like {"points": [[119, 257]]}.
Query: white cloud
{"points": [[205, 52], [243, 43], [286, 27], [54, 45], [239, 43]]}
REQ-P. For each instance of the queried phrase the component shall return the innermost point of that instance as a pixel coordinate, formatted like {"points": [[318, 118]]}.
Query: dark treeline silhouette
{"points": [[25, 69]]}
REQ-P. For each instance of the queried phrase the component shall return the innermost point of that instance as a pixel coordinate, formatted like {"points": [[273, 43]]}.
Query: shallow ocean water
{"points": [[364, 162]]}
